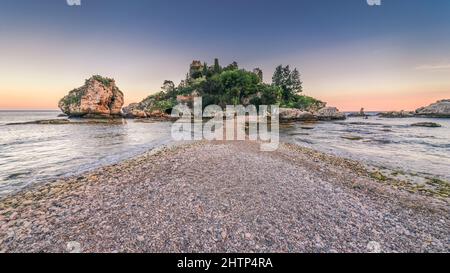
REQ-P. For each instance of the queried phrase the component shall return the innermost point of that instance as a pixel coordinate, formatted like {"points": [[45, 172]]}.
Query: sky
{"points": [[395, 56]]}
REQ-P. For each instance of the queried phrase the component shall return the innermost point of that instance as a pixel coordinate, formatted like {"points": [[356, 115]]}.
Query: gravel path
{"points": [[224, 197]]}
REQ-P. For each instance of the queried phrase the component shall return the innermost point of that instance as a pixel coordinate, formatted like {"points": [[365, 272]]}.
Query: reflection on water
{"points": [[389, 143], [34, 153]]}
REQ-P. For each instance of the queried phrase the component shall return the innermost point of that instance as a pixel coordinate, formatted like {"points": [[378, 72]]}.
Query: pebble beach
{"points": [[224, 197]]}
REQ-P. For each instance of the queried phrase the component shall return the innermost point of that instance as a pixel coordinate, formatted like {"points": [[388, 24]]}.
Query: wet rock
{"points": [[352, 137], [361, 113], [72, 122], [426, 124], [44, 122], [378, 176]]}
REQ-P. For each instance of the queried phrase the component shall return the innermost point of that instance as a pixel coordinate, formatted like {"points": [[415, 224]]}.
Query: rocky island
{"points": [[440, 109], [231, 85], [99, 97]]}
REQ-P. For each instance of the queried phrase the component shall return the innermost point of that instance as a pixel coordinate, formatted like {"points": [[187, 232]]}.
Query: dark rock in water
{"points": [[307, 128], [381, 141], [98, 98], [426, 124], [360, 114], [44, 122], [352, 137], [67, 121], [366, 123], [440, 109], [298, 134], [397, 114], [308, 141]]}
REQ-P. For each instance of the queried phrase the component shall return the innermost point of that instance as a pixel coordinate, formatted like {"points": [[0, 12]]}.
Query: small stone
{"points": [[373, 247], [73, 247], [27, 202], [224, 234], [13, 216]]}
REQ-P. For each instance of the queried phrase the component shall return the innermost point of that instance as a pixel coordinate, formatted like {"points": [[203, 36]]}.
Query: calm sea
{"points": [[37, 153]]}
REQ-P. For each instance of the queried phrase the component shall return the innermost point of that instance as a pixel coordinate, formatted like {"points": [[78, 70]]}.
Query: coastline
{"points": [[224, 197]]}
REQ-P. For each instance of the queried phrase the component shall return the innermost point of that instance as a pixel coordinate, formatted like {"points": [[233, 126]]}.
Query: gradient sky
{"points": [[352, 55]]}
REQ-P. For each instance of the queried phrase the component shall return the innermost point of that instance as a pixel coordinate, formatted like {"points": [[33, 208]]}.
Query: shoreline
{"points": [[28, 218]]}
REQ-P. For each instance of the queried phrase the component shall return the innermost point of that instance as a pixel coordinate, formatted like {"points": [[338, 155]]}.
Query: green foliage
{"points": [[105, 81], [164, 105], [232, 86], [232, 66], [74, 97], [302, 102]]}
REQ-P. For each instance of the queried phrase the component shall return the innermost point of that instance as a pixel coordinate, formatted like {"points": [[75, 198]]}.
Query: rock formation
{"points": [[134, 111], [361, 113], [330, 113], [291, 114], [98, 98], [440, 109], [397, 114], [426, 124]]}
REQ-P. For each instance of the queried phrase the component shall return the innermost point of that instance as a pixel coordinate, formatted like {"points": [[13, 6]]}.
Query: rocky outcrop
{"points": [[99, 97], [360, 114], [330, 113], [151, 107], [426, 124], [397, 114], [440, 109], [133, 111], [291, 114]]}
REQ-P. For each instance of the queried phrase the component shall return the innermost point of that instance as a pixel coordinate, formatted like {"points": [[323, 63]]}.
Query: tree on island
{"points": [[288, 80], [217, 67]]}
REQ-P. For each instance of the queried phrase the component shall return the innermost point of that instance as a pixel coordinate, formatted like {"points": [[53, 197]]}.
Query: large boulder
{"points": [[440, 109], [291, 114], [133, 111], [98, 97], [330, 113]]}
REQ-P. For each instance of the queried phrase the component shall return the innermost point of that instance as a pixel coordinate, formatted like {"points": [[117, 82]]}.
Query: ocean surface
{"points": [[40, 153], [391, 144]]}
